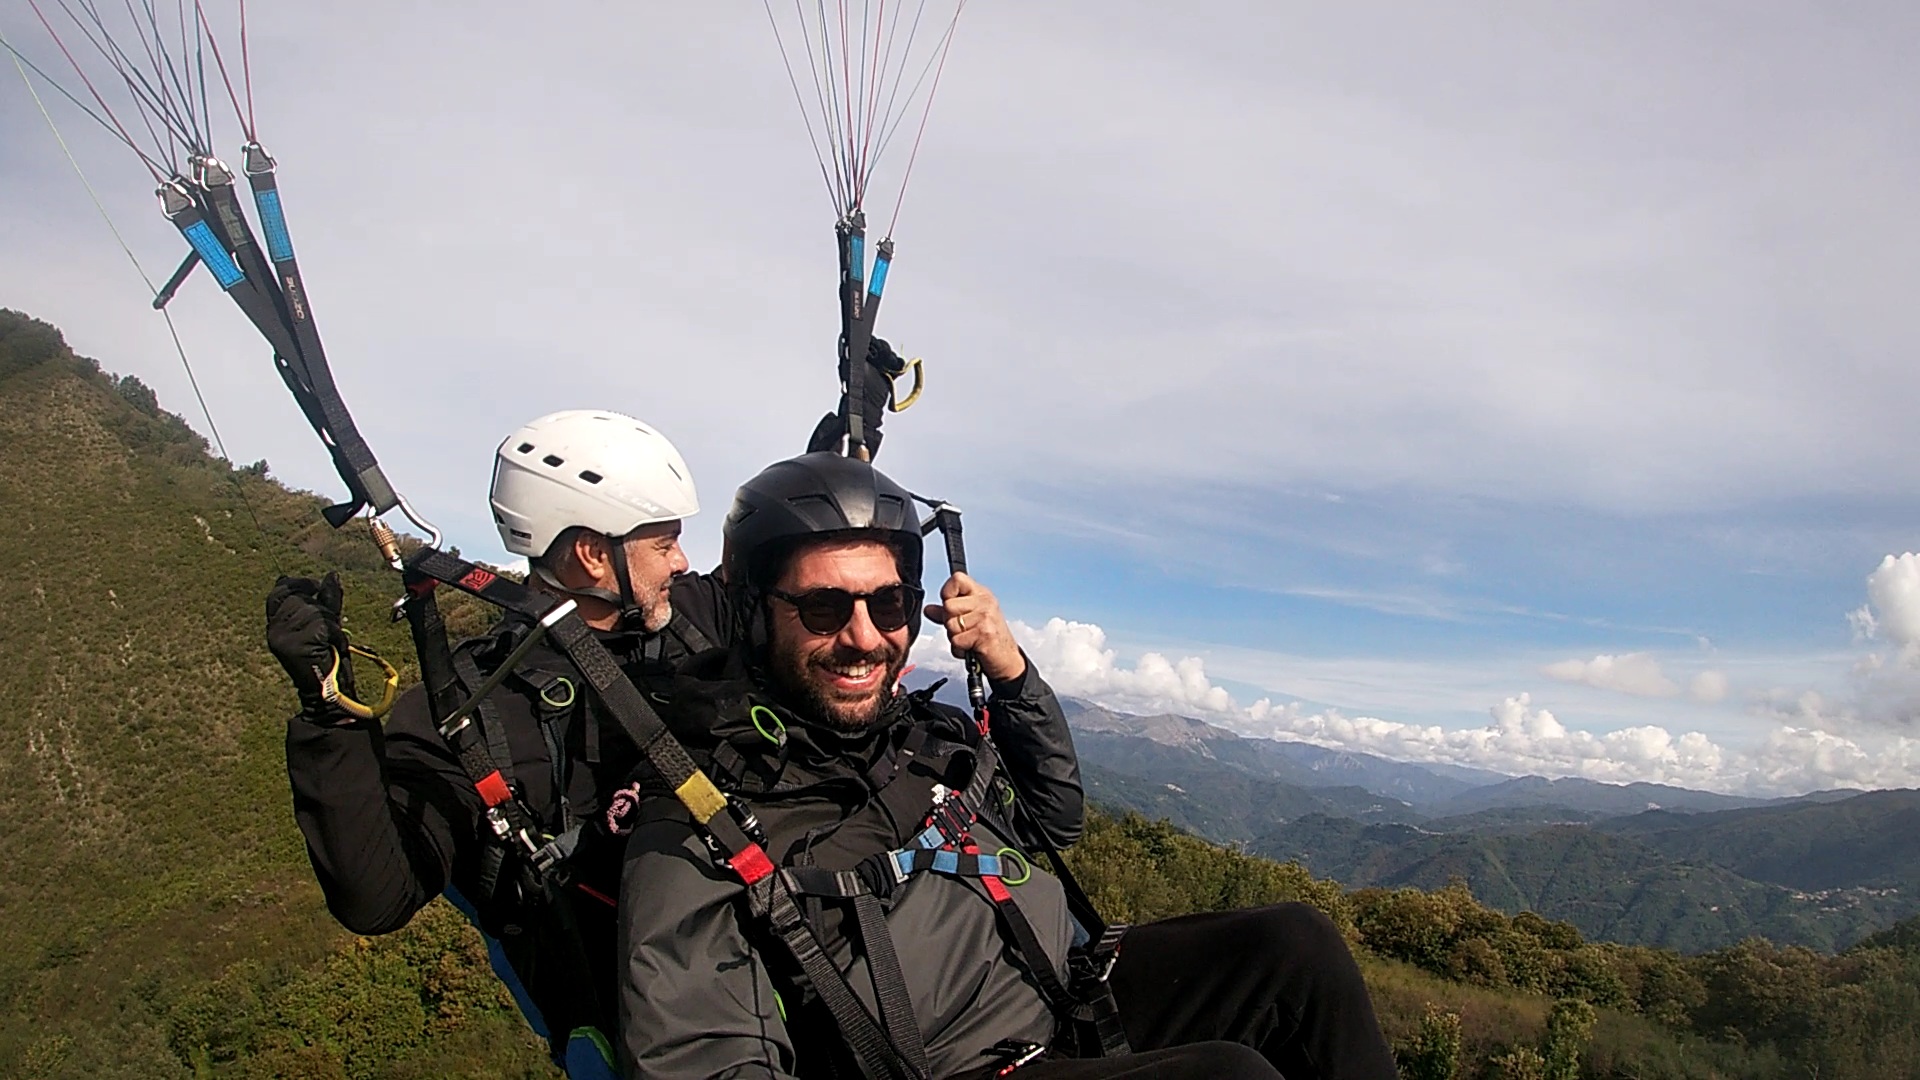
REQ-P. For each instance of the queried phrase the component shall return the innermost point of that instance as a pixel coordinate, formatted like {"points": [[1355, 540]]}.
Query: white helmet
{"points": [[586, 467]]}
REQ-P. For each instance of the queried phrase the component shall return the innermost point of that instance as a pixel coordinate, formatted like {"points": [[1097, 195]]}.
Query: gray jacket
{"points": [[698, 986]]}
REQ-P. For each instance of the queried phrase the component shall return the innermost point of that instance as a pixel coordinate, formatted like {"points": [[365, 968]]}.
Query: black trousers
{"points": [[1238, 995]]}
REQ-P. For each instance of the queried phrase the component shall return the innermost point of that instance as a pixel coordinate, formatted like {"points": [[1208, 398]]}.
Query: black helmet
{"points": [[817, 496]]}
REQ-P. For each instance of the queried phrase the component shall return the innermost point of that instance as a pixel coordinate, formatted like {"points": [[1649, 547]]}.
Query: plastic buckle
{"points": [[1015, 1053]]}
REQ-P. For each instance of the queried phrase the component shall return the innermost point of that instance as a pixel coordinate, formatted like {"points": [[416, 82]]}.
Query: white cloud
{"points": [[1076, 661], [1628, 673], [1893, 599], [1801, 753], [1889, 683], [1709, 687]]}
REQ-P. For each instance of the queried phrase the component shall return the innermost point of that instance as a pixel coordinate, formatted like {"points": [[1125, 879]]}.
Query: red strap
{"points": [[751, 864], [493, 789], [595, 893], [996, 889]]}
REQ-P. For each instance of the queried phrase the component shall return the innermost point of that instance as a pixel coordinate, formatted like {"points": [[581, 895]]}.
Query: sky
{"points": [[1527, 388]]}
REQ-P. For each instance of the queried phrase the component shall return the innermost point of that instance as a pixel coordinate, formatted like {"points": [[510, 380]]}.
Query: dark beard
{"points": [[791, 676]]}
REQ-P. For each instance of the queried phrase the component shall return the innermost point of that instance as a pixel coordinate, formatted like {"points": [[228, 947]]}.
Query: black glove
{"points": [[876, 390], [304, 633]]}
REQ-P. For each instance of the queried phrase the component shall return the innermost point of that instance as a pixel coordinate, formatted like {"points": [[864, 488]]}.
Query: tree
{"points": [[1433, 1052], [1569, 1030]]}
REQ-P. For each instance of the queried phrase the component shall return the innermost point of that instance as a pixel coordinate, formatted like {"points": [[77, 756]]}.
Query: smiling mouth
{"points": [[855, 677]]}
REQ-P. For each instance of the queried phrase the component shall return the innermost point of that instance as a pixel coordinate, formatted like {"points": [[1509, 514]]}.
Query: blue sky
{"points": [[1395, 362]]}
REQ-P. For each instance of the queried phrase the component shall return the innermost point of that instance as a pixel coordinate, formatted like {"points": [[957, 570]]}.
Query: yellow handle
{"points": [[919, 384], [330, 687]]}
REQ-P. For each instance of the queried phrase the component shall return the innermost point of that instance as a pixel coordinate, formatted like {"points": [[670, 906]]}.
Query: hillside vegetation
{"points": [[161, 922]]}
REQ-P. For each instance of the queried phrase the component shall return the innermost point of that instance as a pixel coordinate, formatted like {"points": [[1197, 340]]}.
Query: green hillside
{"points": [[150, 847], [1871, 840], [1612, 882], [161, 922]]}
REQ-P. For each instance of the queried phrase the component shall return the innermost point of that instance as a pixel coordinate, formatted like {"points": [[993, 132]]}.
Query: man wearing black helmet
{"points": [[905, 932]]}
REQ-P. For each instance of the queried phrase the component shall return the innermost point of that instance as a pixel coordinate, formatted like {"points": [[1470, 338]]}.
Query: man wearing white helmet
{"points": [[594, 500]]}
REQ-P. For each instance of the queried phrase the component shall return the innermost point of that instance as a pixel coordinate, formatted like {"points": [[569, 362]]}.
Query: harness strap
{"points": [[875, 1054], [734, 836], [491, 729], [1098, 1008], [889, 985], [208, 216], [690, 635]]}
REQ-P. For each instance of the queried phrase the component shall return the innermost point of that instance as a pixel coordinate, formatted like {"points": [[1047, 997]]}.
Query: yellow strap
{"points": [[701, 797]]}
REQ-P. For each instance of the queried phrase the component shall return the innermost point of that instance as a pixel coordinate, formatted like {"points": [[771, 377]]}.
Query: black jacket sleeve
{"points": [[700, 600], [385, 813], [1031, 733]]}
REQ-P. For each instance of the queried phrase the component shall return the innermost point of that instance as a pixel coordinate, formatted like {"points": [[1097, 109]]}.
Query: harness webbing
{"points": [[859, 307], [273, 297], [733, 834]]}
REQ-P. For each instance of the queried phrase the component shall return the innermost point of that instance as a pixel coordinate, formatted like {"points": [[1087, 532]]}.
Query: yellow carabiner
{"points": [[330, 686], [919, 384]]}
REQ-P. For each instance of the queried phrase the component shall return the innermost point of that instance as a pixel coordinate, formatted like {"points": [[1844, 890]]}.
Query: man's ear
{"points": [[593, 554]]}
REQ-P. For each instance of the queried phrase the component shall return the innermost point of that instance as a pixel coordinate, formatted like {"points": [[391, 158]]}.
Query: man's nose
{"points": [[679, 561], [860, 633]]}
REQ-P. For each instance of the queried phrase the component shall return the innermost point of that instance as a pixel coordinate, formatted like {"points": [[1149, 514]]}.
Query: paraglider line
{"points": [[794, 82], [123, 66], [221, 63], [946, 45], [151, 165], [78, 104], [906, 105], [888, 120], [246, 68], [179, 348], [154, 62]]}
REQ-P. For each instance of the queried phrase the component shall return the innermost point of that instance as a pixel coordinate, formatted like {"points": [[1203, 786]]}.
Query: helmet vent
{"points": [[556, 462], [525, 448], [521, 535], [591, 477]]}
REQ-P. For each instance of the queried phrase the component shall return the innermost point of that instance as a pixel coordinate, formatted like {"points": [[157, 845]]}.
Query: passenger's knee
{"points": [[1297, 928], [1228, 1060]]}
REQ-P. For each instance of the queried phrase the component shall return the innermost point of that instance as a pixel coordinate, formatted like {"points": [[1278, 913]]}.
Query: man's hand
{"points": [[971, 614], [305, 635]]}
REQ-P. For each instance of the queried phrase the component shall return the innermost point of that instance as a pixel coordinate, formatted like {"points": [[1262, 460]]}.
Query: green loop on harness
{"points": [[1026, 868], [779, 733], [780, 1005], [1006, 795], [547, 690]]}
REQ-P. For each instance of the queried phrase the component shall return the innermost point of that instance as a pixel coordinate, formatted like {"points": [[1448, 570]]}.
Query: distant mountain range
{"points": [[1638, 863]]}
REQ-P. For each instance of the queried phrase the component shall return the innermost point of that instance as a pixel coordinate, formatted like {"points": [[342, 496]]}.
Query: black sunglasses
{"points": [[826, 611]]}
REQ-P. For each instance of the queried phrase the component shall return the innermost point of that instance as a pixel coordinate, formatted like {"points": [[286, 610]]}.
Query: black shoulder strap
{"points": [[690, 635]]}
